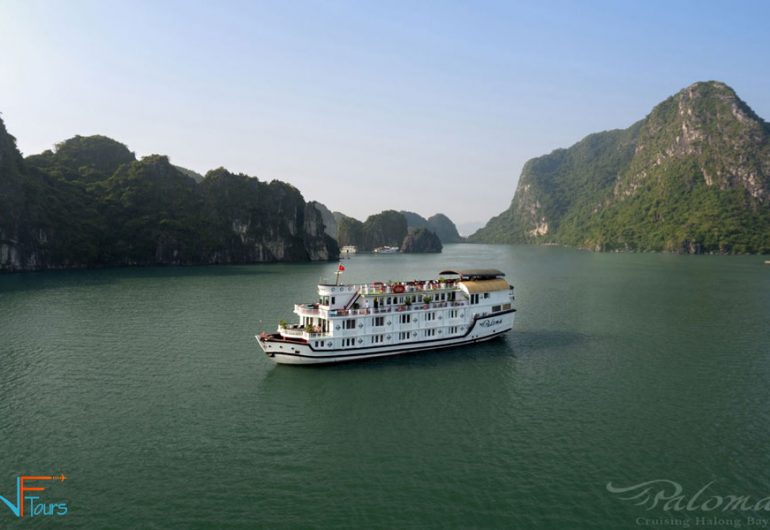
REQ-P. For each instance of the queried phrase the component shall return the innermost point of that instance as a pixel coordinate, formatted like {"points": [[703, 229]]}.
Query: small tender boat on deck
{"points": [[353, 322]]}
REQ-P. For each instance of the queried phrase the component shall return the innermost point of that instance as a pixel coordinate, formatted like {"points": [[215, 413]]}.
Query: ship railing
{"points": [[291, 331], [395, 308], [351, 312], [300, 331], [307, 309], [408, 287]]}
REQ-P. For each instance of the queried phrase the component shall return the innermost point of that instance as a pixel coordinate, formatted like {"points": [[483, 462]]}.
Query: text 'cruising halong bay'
{"points": [[352, 322]]}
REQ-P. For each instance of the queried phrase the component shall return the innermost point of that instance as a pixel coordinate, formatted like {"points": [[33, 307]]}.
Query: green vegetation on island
{"points": [[90, 203], [692, 177]]}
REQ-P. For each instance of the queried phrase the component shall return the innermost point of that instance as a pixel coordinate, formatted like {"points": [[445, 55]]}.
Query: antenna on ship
{"points": [[340, 270]]}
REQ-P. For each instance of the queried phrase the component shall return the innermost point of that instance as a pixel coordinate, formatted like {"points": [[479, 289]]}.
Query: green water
{"points": [[146, 388]]}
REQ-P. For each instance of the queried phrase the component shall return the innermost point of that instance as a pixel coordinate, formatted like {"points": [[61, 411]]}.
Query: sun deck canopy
{"points": [[475, 274], [485, 286]]}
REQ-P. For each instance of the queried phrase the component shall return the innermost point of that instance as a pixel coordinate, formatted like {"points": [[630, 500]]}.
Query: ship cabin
{"points": [[381, 313]]}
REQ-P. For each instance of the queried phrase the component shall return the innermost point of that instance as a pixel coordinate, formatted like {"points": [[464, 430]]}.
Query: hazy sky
{"points": [[365, 106]]}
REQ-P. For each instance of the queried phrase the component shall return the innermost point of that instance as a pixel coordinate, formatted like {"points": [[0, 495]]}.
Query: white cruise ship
{"points": [[352, 322]]}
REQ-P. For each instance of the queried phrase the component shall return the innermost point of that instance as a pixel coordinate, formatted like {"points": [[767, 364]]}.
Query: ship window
{"points": [[378, 321], [453, 313], [430, 332], [486, 295], [390, 300], [332, 300], [495, 308], [405, 319], [350, 323]]}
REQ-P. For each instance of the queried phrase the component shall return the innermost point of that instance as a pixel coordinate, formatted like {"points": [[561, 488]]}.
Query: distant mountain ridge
{"points": [[439, 224], [387, 228], [692, 177]]}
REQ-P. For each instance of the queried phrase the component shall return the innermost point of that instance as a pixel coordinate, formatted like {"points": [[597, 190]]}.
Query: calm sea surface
{"points": [[147, 389]]}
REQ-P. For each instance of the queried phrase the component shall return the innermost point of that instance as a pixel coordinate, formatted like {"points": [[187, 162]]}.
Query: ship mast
{"points": [[340, 270]]}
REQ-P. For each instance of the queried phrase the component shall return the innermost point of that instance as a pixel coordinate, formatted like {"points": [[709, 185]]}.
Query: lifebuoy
{"points": [[398, 289]]}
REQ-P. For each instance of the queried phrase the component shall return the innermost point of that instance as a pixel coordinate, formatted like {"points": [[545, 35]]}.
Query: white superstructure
{"points": [[351, 322]]}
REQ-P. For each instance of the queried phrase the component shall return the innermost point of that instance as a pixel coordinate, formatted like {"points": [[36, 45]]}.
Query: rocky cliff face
{"points": [[691, 177], [91, 204], [319, 245], [421, 240], [555, 186], [329, 221], [11, 198], [444, 228], [439, 224], [708, 127]]}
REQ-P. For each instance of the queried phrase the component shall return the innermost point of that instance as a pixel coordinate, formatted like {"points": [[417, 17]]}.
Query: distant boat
{"points": [[767, 262], [348, 250], [386, 250]]}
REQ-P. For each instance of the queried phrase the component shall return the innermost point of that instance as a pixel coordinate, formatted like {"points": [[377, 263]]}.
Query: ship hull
{"points": [[483, 328]]}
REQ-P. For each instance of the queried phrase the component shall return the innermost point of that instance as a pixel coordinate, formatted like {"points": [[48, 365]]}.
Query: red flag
{"points": [[341, 267]]}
